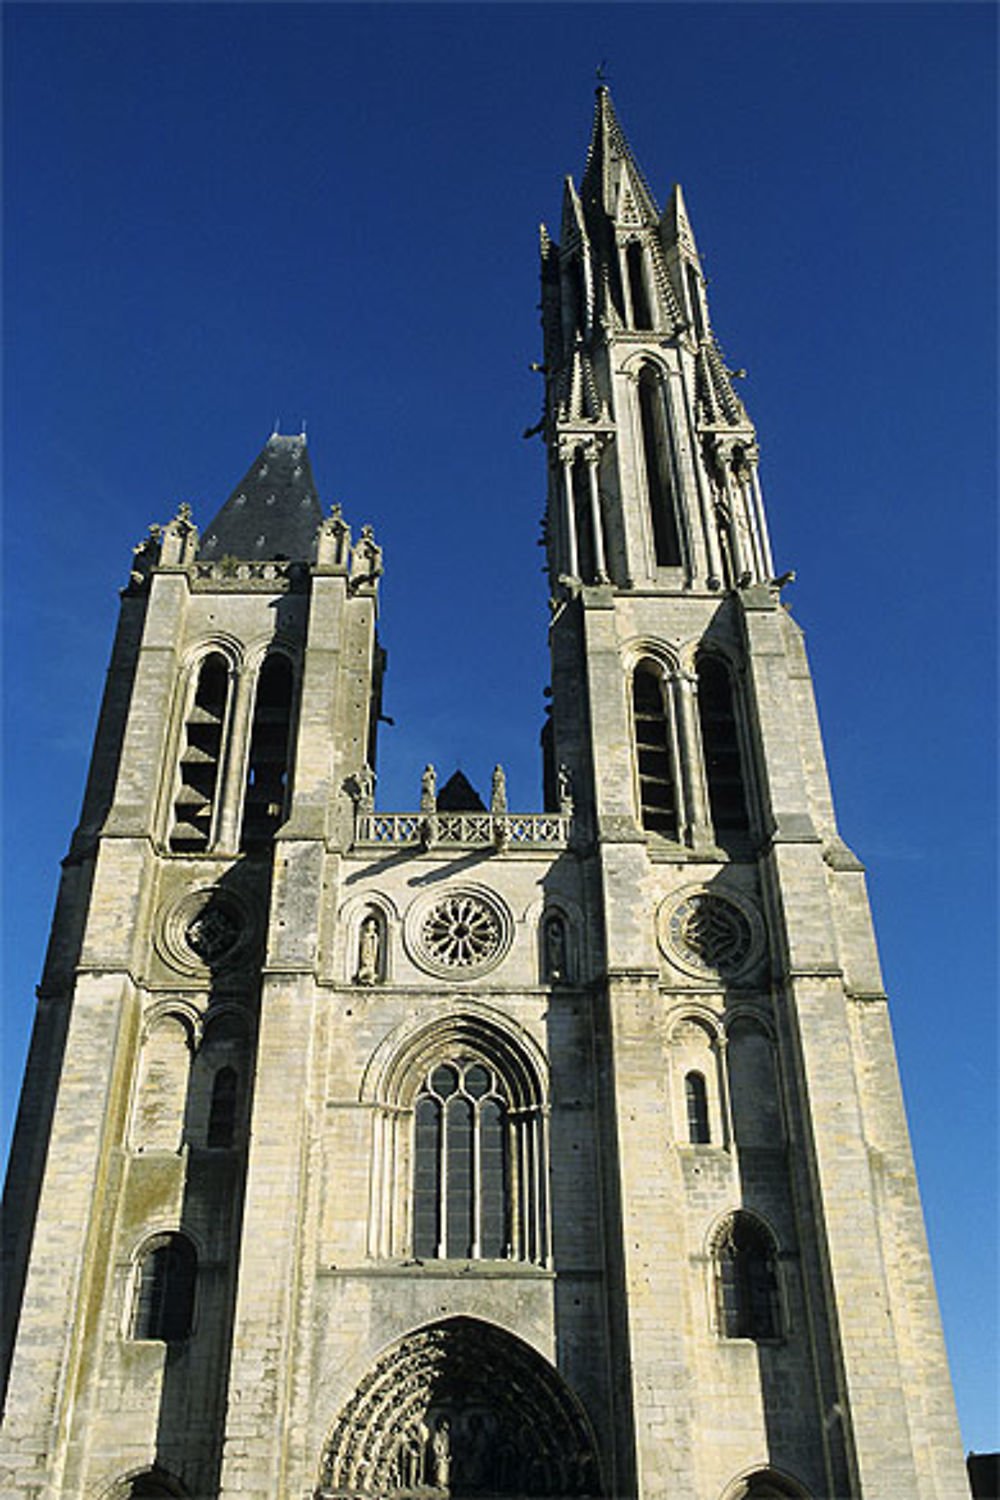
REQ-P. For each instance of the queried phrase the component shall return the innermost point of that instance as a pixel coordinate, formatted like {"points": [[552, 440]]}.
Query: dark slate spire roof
{"points": [[274, 511]]}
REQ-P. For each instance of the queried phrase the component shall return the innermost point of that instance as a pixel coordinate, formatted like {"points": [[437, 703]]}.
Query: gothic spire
{"points": [[612, 180], [274, 511]]}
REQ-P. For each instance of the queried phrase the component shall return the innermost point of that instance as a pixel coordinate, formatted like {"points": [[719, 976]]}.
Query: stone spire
{"points": [[274, 511], [612, 180]]}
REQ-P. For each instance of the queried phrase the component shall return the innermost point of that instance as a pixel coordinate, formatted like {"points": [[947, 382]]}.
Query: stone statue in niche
{"points": [[441, 1454], [555, 950], [369, 950], [498, 794], [564, 783]]}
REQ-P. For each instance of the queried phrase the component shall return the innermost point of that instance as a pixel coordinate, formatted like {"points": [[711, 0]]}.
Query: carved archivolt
{"points": [[460, 1408]]}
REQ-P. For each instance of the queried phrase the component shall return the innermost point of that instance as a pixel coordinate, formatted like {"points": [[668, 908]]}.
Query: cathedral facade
{"points": [[464, 1151]]}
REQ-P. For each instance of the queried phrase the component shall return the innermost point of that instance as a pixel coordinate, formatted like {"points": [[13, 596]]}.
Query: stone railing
{"points": [[466, 830]]}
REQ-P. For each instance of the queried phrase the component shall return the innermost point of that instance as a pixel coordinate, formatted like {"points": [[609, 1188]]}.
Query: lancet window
{"points": [[658, 468], [164, 1298], [696, 1099], [746, 1281], [461, 1171], [267, 768], [200, 759], [635, 263], [721, 747], [654, 755]]}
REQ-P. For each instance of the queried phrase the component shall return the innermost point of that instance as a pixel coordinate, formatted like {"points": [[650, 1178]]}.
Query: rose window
{"points": [[461, 931], [706, 933], [458, 934]]}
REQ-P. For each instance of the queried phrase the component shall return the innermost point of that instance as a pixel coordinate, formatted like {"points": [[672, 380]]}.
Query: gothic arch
{"points": [[466, 1408], [766, 1483], [145, 1484], [397, 1064], [465, 1076]]}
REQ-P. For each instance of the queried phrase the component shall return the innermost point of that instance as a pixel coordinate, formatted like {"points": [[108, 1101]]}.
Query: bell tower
{"points": [[749, 1086]]}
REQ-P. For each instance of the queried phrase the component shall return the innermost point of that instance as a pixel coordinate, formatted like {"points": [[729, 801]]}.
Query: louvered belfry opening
{"points": [[659, 481], [201, 755], [267, 769], [657, 793], [720, 740]]}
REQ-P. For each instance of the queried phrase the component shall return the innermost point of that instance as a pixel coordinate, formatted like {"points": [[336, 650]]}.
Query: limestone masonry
{"points": [[465, 1151]]}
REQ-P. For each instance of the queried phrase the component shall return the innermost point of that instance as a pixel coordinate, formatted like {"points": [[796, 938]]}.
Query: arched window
{"points": [[221, 1130], [164, 1300], [586, 560], [720, 742], [746, 1281], [267, 770], [657, 791], [201, 756], [658, 468], [635, 263], [461, 1164], [696, 1097]]}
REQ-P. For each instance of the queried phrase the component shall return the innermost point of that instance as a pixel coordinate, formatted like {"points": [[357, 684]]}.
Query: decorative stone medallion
{"points": [[705, 933], [458, 934], [206, 929]]}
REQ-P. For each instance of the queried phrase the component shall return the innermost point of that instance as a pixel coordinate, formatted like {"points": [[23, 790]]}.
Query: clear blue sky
{"points": [[219, 216]]}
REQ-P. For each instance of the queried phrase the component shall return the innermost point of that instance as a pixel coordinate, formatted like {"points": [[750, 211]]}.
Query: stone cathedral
{"points": [[460, 1151]]}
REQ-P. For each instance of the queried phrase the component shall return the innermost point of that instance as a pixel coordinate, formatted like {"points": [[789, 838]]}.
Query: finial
{"points": [[276, 428], [303, 427], [601, 76]]}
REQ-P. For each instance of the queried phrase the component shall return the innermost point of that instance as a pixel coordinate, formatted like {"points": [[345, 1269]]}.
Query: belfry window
{"points": [[201, 754], [635, 263], [267, 771], [746, 1281], [656, 450], [461, 1168], [164, 1302], [657, 791], [720, 742], [582, 514]]}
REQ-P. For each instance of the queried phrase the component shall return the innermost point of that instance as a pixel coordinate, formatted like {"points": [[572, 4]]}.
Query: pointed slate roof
{"points": [[274, 511], [611, 176]]}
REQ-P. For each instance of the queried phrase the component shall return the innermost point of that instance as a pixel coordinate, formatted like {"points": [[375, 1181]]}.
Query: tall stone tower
{"points": [[461, 1151]]}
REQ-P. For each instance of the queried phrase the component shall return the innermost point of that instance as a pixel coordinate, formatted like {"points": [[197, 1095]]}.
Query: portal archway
{"points": [[461, 1409]]}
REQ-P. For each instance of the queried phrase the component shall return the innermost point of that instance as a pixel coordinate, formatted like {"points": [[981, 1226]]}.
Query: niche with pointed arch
{"points": [[460, 1408]]}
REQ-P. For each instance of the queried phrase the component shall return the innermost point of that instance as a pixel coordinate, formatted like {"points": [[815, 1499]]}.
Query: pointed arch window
{"points": [[164, 1301], [462, 1160], [267, 770], [657, 789], [720, 742], [658, 466], [746, 1281], [696, 1098], [635, 262], [201, 757]]}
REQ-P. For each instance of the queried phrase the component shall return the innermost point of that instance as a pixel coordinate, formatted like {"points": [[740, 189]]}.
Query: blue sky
{"points": [[220, 216]]}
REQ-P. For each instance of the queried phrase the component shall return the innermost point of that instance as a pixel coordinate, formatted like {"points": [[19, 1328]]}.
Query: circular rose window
{"points": [[706, 933], [461, 933]]}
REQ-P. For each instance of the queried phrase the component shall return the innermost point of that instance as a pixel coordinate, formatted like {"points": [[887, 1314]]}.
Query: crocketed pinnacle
{"points": [[274, 511]]}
